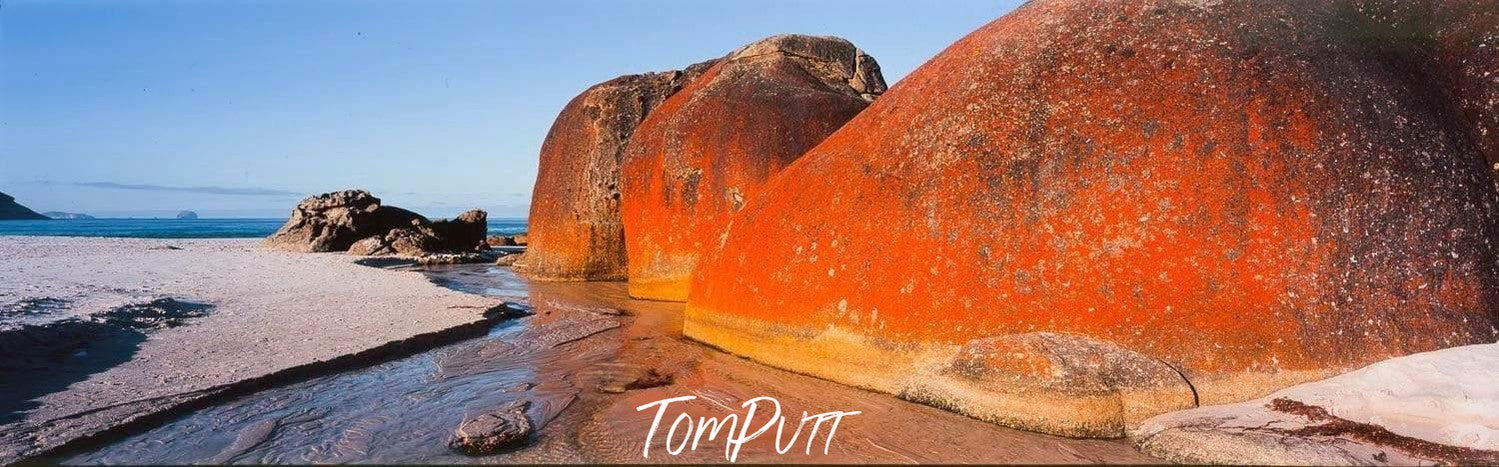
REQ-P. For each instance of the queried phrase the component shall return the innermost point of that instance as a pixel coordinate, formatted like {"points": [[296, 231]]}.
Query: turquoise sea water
{"points": [[182, 228]]}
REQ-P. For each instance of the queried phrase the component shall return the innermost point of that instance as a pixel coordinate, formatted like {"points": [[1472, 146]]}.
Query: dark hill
{"points": [[9, 210]]}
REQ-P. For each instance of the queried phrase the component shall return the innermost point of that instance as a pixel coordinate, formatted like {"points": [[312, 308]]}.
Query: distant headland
{"points": [[10, 210]]}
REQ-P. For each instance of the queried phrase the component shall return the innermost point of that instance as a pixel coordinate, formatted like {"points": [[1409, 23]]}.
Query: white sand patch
{"points": [[270, 311], [1445, 404], [1449, 396]]}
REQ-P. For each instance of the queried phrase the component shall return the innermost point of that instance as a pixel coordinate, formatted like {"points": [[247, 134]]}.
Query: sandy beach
{"points": [[583, 363], [262, 312]]}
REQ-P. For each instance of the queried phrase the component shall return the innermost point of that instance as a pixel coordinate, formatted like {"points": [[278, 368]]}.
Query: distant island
{"points": [[66, 215], [187, 215], [9, 210]]}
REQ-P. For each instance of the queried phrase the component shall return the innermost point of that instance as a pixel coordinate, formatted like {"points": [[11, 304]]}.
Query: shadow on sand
{"points": [[36, 360]]}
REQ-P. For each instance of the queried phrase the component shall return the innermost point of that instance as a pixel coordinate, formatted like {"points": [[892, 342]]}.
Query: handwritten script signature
{"points": [[736, 431]]}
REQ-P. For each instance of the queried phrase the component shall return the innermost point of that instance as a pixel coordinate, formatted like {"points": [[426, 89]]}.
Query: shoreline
{"points": [[585, 359], [263, 313], [187, 403]]}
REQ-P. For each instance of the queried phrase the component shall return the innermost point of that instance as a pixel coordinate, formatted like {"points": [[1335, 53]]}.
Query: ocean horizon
{"points": [[182, 228]]}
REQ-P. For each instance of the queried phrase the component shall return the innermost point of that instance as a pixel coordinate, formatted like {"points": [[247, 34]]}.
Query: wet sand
{"points": [[585, 360], [606, 427], [146, 325]]}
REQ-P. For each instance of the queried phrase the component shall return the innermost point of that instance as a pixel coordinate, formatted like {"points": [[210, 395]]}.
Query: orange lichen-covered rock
{"points": [[1114, 209], [693, 161], [574, 226]]}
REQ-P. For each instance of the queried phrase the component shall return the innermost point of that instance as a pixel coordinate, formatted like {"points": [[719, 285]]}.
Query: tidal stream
{"points": [[578, 359], [398, 411]]}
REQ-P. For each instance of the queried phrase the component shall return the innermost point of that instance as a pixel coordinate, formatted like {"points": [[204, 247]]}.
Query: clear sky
{"points": [[241, 108]]}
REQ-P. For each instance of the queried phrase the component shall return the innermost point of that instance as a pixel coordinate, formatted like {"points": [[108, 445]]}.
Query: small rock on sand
{"points": [[507, 260], [651, 378], [494, 431]]}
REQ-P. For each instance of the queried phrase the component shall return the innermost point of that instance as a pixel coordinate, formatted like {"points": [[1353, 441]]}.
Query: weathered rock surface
{"points": [[1101, 387], [405, 241], [334, 221], [694, 160], [1255, 194], [356, 222], [464, 233], [9, 209], [450, 258], [508, 260], [187, 215], [575, 204], [420, 243], [372, 246], [493, 432], [508, 240]]}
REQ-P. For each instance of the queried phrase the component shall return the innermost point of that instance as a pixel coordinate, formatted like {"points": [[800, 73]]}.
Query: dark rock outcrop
{"points": [[508, 240], [441, 242], [464, 233], [356, 222], [696, 158], [1252, 193], [575, 205], [187, 215], [405, 241], [10, 210], [490, 433], [334, 221]]}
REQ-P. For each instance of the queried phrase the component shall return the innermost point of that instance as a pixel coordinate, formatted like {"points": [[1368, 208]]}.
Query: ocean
{"points": [[182, 228]]}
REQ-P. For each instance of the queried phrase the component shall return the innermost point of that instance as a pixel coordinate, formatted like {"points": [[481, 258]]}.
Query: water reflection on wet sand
{"points": [[575, 359]]}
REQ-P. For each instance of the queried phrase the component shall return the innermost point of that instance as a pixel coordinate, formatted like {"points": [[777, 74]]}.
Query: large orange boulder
{"points": [[695, 159], [574, 226], [1086, 213]]}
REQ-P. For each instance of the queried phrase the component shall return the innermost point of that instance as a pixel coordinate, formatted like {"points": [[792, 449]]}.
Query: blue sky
{"points": [[241, 108]]}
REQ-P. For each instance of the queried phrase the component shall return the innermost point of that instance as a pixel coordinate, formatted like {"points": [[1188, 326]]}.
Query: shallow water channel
{"points": [[578, 359], [398, 411]]}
